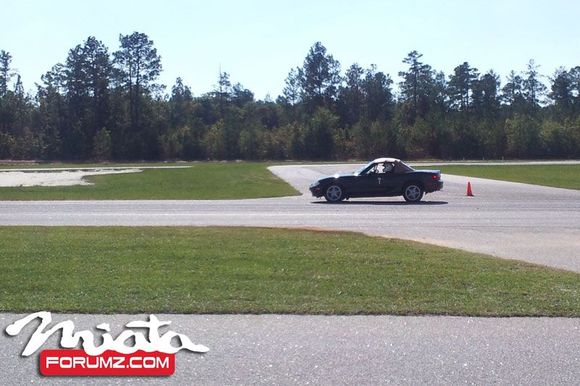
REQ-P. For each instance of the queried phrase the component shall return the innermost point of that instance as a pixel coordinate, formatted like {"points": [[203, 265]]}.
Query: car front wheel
{"points": [[334, 193], [413, 193]]}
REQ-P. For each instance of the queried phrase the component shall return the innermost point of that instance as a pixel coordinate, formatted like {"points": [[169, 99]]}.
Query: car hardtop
{"points": [[399, 166], [384, 159]]}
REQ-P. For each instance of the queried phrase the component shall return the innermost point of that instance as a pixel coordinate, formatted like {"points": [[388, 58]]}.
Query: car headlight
{"points": [[315, 184]]}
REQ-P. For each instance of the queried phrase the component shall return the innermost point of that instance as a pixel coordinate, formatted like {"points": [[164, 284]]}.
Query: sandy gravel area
{"points": [[55, 178]]}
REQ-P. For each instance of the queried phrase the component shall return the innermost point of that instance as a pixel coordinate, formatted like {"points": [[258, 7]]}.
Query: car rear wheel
{"points": [[413, 193], [334, 193]]}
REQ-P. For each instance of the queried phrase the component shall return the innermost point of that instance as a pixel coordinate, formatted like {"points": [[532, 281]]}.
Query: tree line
{"points": [[98, 105]]}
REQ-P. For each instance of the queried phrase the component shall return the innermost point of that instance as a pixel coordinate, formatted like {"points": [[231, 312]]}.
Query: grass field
{"points": [[200, 181], [253, 270], [559, 176]]}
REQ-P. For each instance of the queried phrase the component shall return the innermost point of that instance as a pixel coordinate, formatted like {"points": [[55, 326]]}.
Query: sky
{"points": [[258, 41]]}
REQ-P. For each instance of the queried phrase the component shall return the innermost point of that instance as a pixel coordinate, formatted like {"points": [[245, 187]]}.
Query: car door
{"points": [[387, 181], [383, 184], [367, 184]]}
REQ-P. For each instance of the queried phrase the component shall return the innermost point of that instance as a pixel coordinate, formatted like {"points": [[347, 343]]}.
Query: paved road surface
{"points": [[510, 220], [340, 350]]}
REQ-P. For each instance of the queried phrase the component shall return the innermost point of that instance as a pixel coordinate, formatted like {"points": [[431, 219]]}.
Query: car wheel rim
{"points": [[413, 192], [334, 193]]}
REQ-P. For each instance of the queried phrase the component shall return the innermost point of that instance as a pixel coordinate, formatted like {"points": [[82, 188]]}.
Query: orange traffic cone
{"points": [[469, 192]]}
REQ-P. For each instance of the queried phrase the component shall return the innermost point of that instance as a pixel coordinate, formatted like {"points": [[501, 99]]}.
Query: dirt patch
{"points": [[55, 178]]}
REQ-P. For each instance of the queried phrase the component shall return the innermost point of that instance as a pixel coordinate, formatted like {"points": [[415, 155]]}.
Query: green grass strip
{"points": [[558, 176], [200, 181], [255, 270]]}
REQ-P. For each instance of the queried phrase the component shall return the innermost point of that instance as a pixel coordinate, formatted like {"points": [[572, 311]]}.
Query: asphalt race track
{"points": [[508, 220], [504, 219], [343, 350]]}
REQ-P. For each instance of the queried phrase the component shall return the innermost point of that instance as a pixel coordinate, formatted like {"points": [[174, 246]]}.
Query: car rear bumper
{"points": [[433, 186]]}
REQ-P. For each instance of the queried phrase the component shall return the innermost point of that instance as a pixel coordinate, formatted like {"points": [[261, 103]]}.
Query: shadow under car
{"points": [[376, 202]]}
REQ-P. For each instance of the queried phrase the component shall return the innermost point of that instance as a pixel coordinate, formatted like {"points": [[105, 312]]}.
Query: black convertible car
{"points": [[383, 177]]}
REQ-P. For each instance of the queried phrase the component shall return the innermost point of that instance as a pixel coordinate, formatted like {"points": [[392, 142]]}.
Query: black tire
{"points": [[334, 194], [413, 192]]}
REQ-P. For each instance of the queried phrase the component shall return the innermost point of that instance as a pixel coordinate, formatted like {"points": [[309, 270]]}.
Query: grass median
{"points": [[255, 270], [212, 180], [558, 176]]}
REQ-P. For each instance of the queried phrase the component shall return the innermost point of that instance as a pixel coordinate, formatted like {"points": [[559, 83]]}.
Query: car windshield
{"points": [[400, 167], [360, 170]]}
